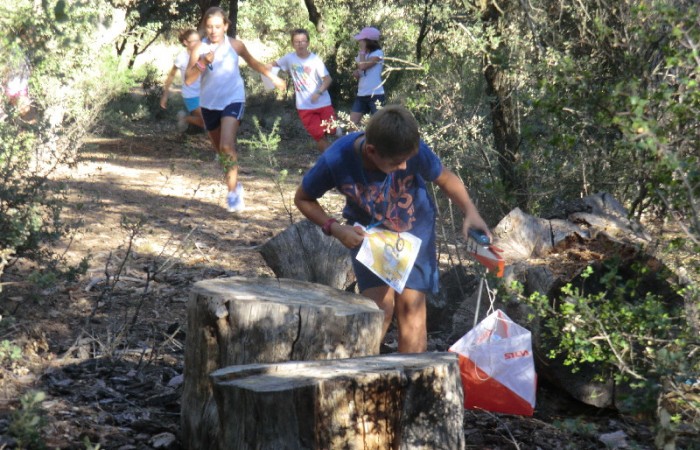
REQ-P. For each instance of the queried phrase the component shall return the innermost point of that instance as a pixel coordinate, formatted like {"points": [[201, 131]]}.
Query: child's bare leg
{"points": [[383, 296], [411, 316], [195, 118], [215, 138], [227, 146]]}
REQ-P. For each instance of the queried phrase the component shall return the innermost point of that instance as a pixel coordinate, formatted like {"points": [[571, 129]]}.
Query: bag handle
{"points": [[492, 299]]}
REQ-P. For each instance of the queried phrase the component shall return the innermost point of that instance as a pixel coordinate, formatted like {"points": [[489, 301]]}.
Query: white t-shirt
{"points": [[370, 82], [221, 84], [181, 63], [308, 76]]}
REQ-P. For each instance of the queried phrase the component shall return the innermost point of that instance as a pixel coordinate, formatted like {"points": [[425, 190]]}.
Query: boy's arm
{"points": [[256, 65], [166, 87], [325, 83], [349, 236], [455, 190]]}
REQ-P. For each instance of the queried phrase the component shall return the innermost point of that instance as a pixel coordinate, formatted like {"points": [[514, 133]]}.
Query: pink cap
{"points": [[370, 33]]}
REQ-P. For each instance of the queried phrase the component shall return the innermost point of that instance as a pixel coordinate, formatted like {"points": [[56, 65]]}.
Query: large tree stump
{"points": [[238, 320], [383, 402], [303, 252]]}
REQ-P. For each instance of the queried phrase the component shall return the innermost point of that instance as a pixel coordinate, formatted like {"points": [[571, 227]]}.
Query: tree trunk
{"points": [[242, 321], [314, 15], [381, 402], [302, 252], [233, 18], [504, 116]]}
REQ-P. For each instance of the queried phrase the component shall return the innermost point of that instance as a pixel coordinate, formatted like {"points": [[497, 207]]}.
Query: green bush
{"points": [[27, 421], [69, 84], [626, 321]]}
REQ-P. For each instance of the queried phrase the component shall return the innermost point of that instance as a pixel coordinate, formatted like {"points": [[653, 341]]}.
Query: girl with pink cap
{"points": [[369, 63]]}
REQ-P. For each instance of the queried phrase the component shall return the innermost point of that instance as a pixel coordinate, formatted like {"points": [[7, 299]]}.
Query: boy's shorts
{"points": [[191, 103], [212, 117], [312, 118], [367, 104]]}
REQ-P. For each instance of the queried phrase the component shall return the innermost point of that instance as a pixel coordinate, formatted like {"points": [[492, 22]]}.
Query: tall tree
{"points": [[503, 103], [147, 21]]}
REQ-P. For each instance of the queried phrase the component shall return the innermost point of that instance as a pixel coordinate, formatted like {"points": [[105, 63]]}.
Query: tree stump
{"points": [[238, 320], [412, 401], [303, 252]]}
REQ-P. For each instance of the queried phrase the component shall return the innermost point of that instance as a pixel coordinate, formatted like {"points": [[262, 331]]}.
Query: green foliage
{"points": [[9, 352], [620, 321], [152, 88], [147, 20], [27, 422], [657, 112], [264, 148], [576, 426], [136, 97], [271, 21], [67, 88]]}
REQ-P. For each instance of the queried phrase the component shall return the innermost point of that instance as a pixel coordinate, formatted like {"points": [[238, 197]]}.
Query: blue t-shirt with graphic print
{"points": [[399, 201]]}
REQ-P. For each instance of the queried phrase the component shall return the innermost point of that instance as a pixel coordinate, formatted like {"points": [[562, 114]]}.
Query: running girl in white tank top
{"points": [[222, 93]]}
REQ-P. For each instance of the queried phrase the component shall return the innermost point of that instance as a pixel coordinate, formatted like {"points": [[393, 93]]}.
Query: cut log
{"points": [[383, 402], [303, 252], [238, 320]]}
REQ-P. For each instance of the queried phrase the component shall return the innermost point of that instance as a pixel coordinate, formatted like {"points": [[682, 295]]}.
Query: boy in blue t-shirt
{"points": [[382, 174]]}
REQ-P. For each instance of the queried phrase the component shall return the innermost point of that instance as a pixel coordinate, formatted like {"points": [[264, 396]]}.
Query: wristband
{"points": [[326, 228]]}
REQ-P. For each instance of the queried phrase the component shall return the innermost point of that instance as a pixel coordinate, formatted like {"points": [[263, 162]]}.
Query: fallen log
{"points": [[545, 254], [238, 320], [410, 401]]}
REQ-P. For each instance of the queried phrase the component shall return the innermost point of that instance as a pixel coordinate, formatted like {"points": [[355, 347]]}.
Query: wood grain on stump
{"points": [[239, 320], [400, 401]]}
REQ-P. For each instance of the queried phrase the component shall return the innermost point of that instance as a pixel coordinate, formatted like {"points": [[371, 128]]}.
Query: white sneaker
{"points": [[234, 200], [181, 122]]}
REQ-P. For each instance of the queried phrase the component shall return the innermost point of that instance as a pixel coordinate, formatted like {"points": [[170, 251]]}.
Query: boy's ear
{"points": [[371, 149]]}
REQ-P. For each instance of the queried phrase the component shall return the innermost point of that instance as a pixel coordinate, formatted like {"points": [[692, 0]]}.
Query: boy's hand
{"points": [[348, 235], [475, 221]]}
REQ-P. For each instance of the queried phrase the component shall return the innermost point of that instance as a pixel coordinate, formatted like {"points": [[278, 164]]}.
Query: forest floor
{"points": [[107, 349]]}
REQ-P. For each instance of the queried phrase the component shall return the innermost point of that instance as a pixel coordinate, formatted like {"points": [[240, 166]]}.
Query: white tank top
{"points": [[221, 82]]}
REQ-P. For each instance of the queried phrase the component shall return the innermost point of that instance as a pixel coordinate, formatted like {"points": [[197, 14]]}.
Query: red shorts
{"points": [[313, 118]]}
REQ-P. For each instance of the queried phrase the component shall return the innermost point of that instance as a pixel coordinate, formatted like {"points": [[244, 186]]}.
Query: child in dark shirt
{"points": [[382, 174]]}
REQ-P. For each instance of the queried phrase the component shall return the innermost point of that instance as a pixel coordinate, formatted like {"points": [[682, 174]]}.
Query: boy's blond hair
{"points": [[393, 131]]}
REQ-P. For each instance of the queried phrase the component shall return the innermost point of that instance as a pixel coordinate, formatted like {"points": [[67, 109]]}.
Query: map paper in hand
{"points": [[389, 255]]}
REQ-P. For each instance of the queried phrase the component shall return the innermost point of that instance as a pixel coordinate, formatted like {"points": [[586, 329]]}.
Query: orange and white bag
{"points": [[497, 366]]}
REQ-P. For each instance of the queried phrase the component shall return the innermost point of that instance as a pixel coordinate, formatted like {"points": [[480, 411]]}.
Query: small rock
{"points": [[616, 439], [176, 381], [163, 440]]}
